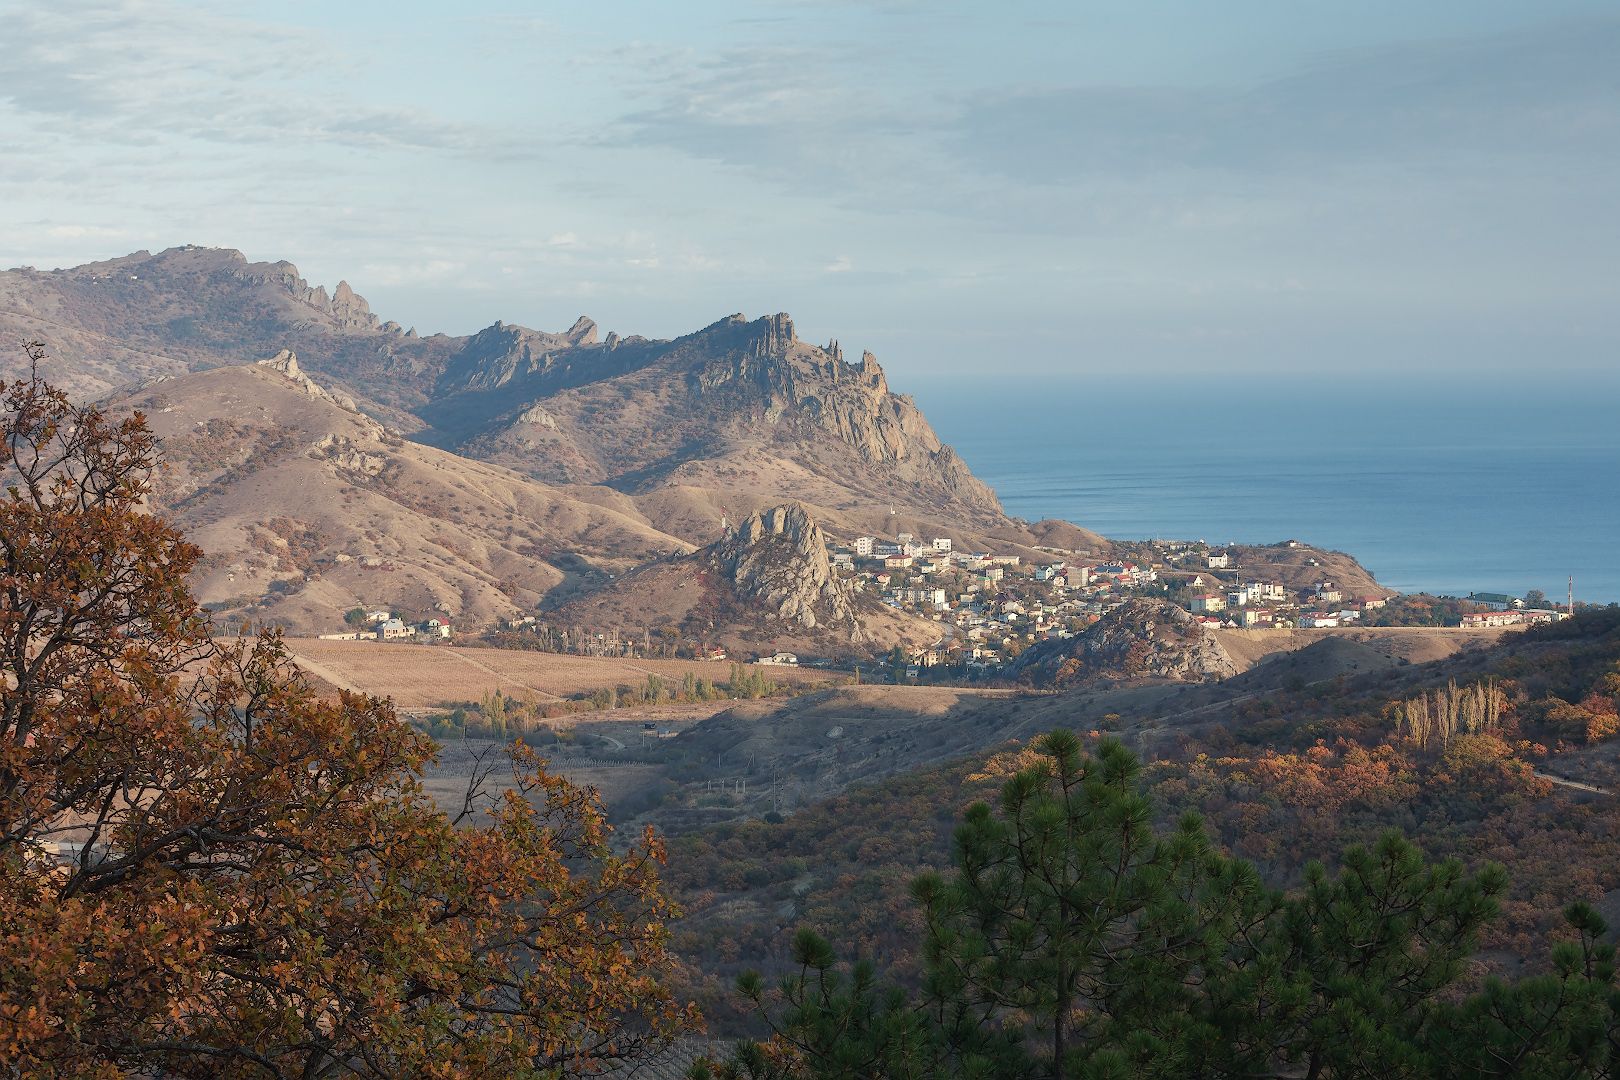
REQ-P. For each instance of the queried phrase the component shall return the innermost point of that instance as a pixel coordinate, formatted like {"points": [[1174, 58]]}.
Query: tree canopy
{"points": [[1073, 939]]}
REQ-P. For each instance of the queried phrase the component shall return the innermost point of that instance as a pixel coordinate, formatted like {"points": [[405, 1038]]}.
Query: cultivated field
{"points": [[431, 676]]}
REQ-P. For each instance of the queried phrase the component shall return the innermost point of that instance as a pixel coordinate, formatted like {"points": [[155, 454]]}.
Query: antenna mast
{"points": [[1572, 596]]}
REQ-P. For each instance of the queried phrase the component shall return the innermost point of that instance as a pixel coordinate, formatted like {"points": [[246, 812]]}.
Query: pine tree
{"points": [[836, 1025], [1071, 928]]}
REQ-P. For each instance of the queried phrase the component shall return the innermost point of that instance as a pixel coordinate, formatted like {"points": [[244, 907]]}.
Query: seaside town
{"points": [[992, 606], [995, 605]]}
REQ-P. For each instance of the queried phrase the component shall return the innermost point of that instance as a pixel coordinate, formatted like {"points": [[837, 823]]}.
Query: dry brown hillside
{"points": [[129, 320], [724, 421], [307, 508]]}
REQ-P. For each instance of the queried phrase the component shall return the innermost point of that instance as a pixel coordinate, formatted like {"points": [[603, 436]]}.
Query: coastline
{"points": [[1431, 493]]}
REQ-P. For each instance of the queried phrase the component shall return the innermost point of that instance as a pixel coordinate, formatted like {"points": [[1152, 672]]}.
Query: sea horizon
{"points": [[1437, 487]]}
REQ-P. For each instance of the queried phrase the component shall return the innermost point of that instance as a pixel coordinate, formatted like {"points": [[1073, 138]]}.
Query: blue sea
{"points": [[1438, 488]]}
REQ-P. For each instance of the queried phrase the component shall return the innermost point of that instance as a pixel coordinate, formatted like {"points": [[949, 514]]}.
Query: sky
{"points": [[1387, 190]]}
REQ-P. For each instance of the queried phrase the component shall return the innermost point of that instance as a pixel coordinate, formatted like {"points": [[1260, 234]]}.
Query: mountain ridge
{"points": [[740, 410]]}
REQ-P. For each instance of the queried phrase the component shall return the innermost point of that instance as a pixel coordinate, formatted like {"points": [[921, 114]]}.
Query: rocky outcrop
{"points": [[777, 560], [810, 395], [285, 363], [344, 309], [530, 361], [1140, 639]]}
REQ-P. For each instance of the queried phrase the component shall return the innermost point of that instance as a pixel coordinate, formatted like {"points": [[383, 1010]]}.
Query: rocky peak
{"points": [[506, 353], [775, 335], [777, 558], [285, 364], [583, 332], [350, 310]]}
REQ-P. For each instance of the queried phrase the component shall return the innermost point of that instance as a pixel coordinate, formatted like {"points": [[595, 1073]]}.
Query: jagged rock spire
{"points": [[778, 557]]}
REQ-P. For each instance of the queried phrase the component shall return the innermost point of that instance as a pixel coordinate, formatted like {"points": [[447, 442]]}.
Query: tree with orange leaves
{"points": [[208, 871]]}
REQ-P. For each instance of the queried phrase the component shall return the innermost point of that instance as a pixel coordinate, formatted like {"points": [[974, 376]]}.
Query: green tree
{"points": [[836, 1024], [1555, 1025], [1348, 977], [897, 664], [1076, 939], [1070, 922]]}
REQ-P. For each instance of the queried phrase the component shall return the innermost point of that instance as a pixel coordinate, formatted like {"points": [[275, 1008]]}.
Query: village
{"points": [[383, 624], [992, 606]]}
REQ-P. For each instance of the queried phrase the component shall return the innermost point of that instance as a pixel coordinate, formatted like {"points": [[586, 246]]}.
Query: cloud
{"points": [[137, 72], [80, 232], [831, 122], [840, 265], [1486, 101], [424, 272], [844, 127]]}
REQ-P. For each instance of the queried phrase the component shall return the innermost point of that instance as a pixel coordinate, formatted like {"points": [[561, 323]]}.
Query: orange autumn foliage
{"points": [[207, 871]]}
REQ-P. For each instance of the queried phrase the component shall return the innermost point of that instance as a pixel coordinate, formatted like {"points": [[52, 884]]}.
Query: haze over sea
{"points": [[1434, 487]]}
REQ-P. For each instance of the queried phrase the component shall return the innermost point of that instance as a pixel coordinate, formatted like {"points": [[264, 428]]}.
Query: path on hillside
{"points": [[1576, 784], [501, 676], [321, 671]]}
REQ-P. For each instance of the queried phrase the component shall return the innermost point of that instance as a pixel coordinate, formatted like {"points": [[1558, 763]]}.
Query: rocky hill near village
{"points": [[766, 584], [1140, 639]]}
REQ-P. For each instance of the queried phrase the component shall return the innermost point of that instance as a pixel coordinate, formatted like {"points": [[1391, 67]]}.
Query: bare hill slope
{"points": [[306, 508], [727, 420], [132, 319]]}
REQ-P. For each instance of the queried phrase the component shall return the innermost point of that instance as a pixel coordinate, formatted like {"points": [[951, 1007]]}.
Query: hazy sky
{"points": [[1066, 187]]}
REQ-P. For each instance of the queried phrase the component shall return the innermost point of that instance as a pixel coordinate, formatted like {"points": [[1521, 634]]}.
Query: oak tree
{"points": [[206, 869]]}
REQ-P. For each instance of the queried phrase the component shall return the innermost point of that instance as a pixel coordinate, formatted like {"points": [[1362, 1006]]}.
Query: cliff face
{"points": [[1140, 639], [777, 561], [504, 354], [763, 366], [738, 400]]}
